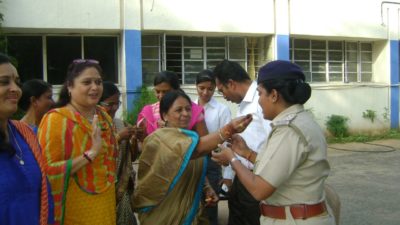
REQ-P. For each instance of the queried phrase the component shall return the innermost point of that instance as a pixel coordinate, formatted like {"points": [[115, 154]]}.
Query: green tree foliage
{"points": [[146, 97]]}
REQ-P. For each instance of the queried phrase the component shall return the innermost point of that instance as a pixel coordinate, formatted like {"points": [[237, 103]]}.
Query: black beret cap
{"points": [[280, 70]]}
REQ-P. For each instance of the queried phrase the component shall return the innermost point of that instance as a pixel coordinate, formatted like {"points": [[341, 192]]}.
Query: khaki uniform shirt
{"points": [[294, 161]]}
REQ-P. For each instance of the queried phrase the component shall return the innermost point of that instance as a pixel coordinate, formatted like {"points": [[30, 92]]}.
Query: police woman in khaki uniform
{"points": [[292, 166]]}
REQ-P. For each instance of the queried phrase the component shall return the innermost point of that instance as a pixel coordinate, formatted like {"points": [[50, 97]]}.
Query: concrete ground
{"points": [[367, 179]]}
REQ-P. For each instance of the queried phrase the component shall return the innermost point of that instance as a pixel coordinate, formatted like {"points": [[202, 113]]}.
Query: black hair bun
{"points": [[302, 92]]}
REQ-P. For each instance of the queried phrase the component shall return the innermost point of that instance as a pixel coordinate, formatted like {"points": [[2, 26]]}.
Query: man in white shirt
{"points": [[216, 116], [235, 85]]}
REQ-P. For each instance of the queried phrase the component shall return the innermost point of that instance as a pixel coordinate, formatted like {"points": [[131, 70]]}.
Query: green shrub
{"points": [[337, 125], [369, 114], [146, 97]]}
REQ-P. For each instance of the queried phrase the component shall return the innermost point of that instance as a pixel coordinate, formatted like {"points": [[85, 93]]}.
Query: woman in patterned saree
{"points": [[78, 142], [172, 166]]}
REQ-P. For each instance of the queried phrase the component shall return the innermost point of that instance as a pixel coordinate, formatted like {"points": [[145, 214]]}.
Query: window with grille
{"points": [[188, 55], [59, 51], [333, 61]]}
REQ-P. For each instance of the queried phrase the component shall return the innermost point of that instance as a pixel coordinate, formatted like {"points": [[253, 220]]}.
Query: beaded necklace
{"points": [[19, 157]]}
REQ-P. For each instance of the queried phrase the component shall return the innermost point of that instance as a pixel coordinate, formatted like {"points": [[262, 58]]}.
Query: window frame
{"points": [[345, 61]]}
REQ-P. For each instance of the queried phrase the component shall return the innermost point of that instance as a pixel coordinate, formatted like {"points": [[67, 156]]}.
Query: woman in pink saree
{"points": [[150, 118]]}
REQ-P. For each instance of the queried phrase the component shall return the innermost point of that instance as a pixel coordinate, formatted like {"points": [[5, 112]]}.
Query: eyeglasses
{"points": [[111, 104], [79, 61]]}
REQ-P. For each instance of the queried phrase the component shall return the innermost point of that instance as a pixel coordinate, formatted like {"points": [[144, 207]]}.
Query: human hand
{"points": [[236, 125], [211, 198], [141, 130], [223, 157], [97, 142], [239, 146], [126, 132]]}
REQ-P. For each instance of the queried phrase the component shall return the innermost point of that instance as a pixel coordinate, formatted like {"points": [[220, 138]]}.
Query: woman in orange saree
{"points": [[79, 145]]}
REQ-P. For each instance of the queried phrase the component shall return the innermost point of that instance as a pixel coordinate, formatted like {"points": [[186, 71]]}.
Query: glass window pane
{"points": [[366, 67], [150, 40], [335, 67], [173, 41], [27, 50], [335, 56], [211, 64], [150, 53], [351, 46], [335, 77], [304, 65], [335, 45], [105, 50], [237, 53], [351, 67], [193, 66], [318, 44], [299, 43], [237, 42], [190, 78], [318, 55], [301, 55], [366, 77], [215, 42], [173, 53], [216, 54], [237, 48], [149, 70], [173, 48], [318, 77], [366, 56], [351, 56], [351, 77], [193, 53], [366, 47], [193, 41], [318, 67], [60, 53]]}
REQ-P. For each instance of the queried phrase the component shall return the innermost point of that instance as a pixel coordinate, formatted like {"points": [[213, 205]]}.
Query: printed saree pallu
{"points": [[170, 184], [88, 196]]}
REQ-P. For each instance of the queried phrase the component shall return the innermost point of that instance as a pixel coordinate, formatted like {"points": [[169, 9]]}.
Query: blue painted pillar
{"points": [[282, 47], [394, 81], [133, 62]]}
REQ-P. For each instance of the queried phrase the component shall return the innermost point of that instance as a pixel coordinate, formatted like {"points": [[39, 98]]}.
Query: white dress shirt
{"points": [[256, 132], [216, 114]]}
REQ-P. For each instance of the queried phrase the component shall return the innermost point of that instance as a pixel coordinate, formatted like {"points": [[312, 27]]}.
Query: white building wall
{"points": [[229, 16], [339, 18], [71, 14]]}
